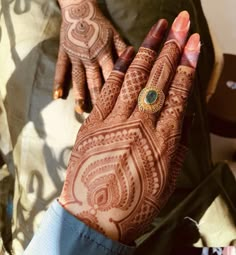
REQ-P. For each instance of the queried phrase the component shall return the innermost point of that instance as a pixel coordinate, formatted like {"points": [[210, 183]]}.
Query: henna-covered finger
{"points": [[120, 45], [78, 81], [168, 60], [60, 73], [138, 72], [111, 88], [178, 155], [94, 81], [174, 108], [106, 64], [163, 70]]}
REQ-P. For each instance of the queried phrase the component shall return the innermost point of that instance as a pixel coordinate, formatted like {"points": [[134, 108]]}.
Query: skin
{"points": [[86, 42], [125, 162]]}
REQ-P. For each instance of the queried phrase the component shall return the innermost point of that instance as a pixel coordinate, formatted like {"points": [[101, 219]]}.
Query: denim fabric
{"points": [[62, 234], [39, 132]]}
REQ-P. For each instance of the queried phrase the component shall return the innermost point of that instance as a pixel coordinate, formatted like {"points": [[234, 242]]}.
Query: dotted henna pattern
{"points": [[85, 36], [117, 168], [165, 65], [124, 163]]}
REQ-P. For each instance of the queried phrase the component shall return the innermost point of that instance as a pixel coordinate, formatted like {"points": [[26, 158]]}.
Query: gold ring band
{"points": [[151, 99]]}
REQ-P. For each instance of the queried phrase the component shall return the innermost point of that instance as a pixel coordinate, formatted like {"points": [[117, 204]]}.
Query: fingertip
{"points": [[182, 21], [191, 51], [159, 28], [79, 106], [128, 53], [179, 29], [125, 59], [155, 35], [194, 43], [57, 93]]}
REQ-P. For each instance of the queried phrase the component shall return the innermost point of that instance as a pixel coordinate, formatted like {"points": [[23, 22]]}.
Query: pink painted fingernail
{"points": [[191, 51], [194, 43], [179, 29], [182, 21]]}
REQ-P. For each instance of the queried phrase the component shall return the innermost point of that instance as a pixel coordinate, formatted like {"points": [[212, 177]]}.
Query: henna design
{"points": [[122, 170], [119, 44], [165, 66], [90, 220], [175, 168], [135, 79], [86, 39], [177, 97], [115, 182]]}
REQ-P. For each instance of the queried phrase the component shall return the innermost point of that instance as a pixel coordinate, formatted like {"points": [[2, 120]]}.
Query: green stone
{"points": [[151, 97]]}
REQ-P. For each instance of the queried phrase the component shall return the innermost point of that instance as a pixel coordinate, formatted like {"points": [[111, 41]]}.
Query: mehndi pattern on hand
{"points": [[125, 162], [86, 41]]}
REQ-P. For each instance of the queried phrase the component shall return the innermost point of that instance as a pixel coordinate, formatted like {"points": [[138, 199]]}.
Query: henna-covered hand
{"points": [[125, 161], [86, 41]]}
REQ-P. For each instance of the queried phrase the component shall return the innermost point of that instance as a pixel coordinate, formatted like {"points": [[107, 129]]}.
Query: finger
{"points": [[94, 81], [78, 80], [138, 72], [165, 66], [111, 89], [175, 104], [120, 45], [106, 64], [60, 73], [177, 158]]}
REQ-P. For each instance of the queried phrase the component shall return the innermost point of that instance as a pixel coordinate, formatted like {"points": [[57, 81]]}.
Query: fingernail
{"points": [[57, 93], [194, 43], [79, 106], [159, 28], [125, 60], [156, 35], [128, 53], [182, 21], [191, 51]]}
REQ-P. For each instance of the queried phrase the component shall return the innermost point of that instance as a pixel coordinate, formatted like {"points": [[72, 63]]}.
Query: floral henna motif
{"points": [[117, 169], [86, 37], [124, 163]]}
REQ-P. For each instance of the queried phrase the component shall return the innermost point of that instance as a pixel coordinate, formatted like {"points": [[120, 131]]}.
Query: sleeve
{"points": [[62, 233]]}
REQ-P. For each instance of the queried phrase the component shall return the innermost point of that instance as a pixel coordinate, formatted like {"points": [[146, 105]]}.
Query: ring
{"points": [[151, 99]]}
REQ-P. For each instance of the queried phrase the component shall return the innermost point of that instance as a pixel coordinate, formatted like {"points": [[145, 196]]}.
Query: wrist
{"points": [[64, 3]]}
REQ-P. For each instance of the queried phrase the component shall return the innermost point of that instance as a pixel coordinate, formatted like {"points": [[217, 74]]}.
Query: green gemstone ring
{"points": [[151, 99]]}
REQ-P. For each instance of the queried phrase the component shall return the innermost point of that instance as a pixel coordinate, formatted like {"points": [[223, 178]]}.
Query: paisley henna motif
{"points": [[124, 163], [106, 164], [87, 39]]}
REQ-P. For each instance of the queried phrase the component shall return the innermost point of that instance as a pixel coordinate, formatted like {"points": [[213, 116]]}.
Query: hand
{"points": [[125, 160], [86, 41]]}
